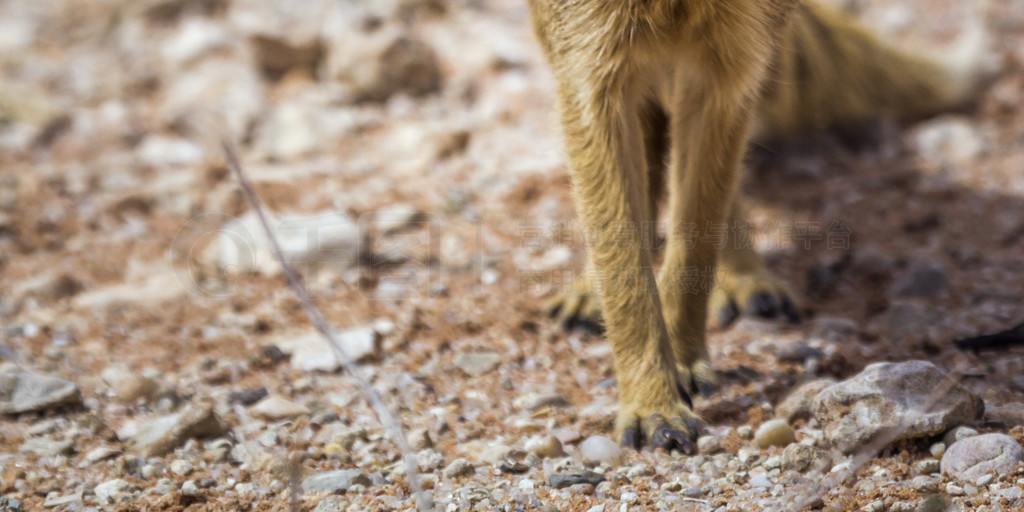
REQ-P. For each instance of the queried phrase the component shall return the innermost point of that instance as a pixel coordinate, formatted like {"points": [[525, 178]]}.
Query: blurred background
{"points": [[410, 153]]}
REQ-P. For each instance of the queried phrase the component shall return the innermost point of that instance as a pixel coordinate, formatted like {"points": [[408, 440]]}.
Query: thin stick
{"points": [[423, 502]]}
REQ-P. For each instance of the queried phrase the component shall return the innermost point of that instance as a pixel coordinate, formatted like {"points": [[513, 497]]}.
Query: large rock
{"points": [[167, 433], [901, 400], [330, 239], [973, 457], [797, 405], [24, 391]]}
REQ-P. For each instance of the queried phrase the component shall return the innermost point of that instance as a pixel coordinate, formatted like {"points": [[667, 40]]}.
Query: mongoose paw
{"points": [[577, 308], [759, 294], [675, 430], [696, 378]]}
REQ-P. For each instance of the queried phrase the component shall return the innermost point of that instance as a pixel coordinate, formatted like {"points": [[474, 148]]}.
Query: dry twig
{"points": [[387, 419]]}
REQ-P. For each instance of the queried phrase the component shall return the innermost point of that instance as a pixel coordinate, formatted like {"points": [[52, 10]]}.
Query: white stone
{"points": [[311, 352], [775, 432], [601, 449], [276, 407], [181, 467], [893, 398], [163, 151], [330, 239], [108, 491]]}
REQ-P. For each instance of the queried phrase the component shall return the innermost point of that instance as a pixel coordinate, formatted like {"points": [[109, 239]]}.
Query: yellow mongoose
{"points": [[664, 94]]}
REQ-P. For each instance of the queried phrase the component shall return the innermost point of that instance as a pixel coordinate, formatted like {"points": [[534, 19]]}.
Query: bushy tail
{"points": [[832, 72]]}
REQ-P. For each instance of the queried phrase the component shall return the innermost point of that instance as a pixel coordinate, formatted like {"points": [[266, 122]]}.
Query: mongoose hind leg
{"points": [[743, 285], [578, 307]]}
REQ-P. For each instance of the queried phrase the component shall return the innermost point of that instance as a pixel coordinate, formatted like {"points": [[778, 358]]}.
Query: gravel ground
{"points": [[154, 359]]}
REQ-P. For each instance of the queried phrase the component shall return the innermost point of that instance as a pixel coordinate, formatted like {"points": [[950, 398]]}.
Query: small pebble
{"points": [[581, 489], [937, 450], [745, 431], [774, 433], [601, 449], [458, 467], [928, 466], [419, 439], [189, 488], [563, 480], [181, 467], [924, 484], [957, 434], [545, 446], [954, 490], [674, 486], [709, 445]]}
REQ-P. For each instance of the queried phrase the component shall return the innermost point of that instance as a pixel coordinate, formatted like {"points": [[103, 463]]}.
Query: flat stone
{"points": [[888, 399], [971, 458], [333, 481], [164, 434], [476, 364], [66, 502], [563, 480], [536, 401], [46, 447], [276, 407], [24, 391], [311, 352], [101, 453], [329, 238]]}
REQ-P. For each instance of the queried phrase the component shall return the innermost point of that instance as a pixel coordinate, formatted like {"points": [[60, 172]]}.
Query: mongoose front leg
{"points": [[607, 162], [708, 133]]}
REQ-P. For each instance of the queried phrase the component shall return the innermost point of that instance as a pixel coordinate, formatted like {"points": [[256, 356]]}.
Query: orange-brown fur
{"points": [[662, 94]]}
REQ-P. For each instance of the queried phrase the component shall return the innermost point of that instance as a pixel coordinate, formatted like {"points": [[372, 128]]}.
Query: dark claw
{"points": [[631, 438], [705, 389], [670, 439], [684, 394], [568, 324], [728, 314], [554, 311], [789, 311], [695, 426], [764, 305], [588, 326]]}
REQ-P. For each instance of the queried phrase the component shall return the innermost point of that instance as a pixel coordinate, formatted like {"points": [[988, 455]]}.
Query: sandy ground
{"points": [[428, 128]]}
